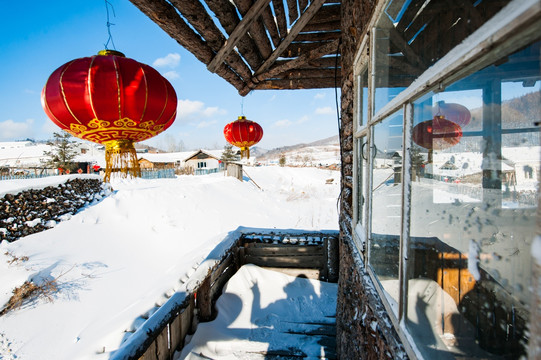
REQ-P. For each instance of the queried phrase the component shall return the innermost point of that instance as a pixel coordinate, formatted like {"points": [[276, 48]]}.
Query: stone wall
{"points": [[35, 210], [364, 329]]}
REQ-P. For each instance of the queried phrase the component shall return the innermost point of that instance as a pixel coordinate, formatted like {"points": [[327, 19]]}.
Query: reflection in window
{"points": [[409, 38], [386, 196], [473, 211]]}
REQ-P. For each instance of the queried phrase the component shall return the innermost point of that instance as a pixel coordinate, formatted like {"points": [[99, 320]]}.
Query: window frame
{"points": [[513, 27]]}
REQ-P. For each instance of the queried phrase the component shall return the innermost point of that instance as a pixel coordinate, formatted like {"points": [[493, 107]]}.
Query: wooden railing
{"points": [[164, 332]]}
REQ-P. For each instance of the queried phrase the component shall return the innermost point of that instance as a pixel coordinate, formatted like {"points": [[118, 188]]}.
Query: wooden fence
{"points": [[314, 254]]}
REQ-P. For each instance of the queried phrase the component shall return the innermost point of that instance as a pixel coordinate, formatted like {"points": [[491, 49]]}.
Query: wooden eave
{"points": [[257, 44]]}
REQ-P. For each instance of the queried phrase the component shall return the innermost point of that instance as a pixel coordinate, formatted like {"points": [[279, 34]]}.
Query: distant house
{"points": [[205, 162], [149, 161]]}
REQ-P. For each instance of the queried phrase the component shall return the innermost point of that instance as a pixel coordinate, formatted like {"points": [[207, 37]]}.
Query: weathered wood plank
{"points": [[299, 48], [165, 15], [323, 26], [318, 36], [285, 251], [186, 317], [198, 17], [221, 281], [327, 13], [175, 328], [150, 353], [298, 62], [227, 15], [292, 11], [295, 30], [296, 84], [286, 261], [256, 29], [271, 26], [240, 30], [302, 5], [204, 300], [280, 14], [162, 345], [216, 273]]}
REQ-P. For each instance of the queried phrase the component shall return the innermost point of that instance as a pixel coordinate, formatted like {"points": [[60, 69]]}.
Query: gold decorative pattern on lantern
{"points": [[100, 130]]}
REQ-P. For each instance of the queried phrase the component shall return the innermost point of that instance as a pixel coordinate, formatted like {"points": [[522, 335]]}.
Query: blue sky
{"points": [[39, 36]]}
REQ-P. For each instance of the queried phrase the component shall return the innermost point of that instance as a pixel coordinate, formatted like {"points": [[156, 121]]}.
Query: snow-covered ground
{"points": [[263, 310], [120, 258]]}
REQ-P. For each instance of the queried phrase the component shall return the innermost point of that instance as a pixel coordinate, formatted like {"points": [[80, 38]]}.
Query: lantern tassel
{"points": [[121, 158], [245, 152]]}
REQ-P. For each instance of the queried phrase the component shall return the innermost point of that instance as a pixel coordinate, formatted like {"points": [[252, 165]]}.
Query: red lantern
{"points": [[112, 100], [437, 134], [243, 133], [457, 113]]}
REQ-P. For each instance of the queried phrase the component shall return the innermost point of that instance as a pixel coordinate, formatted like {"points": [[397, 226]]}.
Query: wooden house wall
{"points": [[364, 329]]}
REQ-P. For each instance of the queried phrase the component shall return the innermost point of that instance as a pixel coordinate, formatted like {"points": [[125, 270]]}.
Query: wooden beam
{"points": [[318, 36], [280, 14], [298, 84], [292, 11], [320, 63], [327, 13], [296, 49], [310, 74], [323, 26], [298, 62], [226, 13], [270, 24], [257, 29], [239, 31], [197, 15], [165, 15], [295, 30]]}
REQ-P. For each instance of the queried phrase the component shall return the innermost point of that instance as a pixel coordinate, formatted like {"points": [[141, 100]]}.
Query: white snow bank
{"points": [[123, 257], [256, 311]]}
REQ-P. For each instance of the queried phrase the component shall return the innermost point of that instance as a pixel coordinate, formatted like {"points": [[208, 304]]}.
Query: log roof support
{"points": [[295, 30], [236, 35]]}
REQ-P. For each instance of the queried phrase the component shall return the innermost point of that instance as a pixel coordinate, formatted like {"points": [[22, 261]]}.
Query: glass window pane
{"points": [[476, 160], [412, 35], [386, 200]]}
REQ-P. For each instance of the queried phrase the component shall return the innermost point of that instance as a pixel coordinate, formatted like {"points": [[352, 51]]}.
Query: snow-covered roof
{"points": [[216, 154]]}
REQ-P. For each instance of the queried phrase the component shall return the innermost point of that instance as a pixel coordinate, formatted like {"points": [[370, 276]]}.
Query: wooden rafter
{"points": [[295, 30], [165, 15], [195, 13], [236, 35], [280, 13], [227, 15], [257, 28]]}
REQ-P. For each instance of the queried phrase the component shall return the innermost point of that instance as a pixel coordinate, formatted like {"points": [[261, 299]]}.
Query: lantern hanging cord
{"points": [[242, 106], [110, 39]]}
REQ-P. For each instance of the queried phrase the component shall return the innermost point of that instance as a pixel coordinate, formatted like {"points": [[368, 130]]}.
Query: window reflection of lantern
{"points": [[243, 133], [437, 134], [456, 113]]}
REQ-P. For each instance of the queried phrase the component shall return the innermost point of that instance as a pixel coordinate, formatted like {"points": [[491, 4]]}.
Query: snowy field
{"points": [[118, 259]]}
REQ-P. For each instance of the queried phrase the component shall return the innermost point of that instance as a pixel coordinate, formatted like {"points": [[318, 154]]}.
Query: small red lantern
{"points": [[243, 133], [457, 113], [112, 100], [437, 134]]}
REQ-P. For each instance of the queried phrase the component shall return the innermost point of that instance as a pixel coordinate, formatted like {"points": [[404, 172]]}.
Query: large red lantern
{"points": [[243, 133], [437, 134], [111, 100]]}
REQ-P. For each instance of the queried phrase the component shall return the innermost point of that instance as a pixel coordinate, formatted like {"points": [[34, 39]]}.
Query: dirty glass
{"points": [[386, 197], [362, 99], [475, 165], [412, 35], [360, 201]]}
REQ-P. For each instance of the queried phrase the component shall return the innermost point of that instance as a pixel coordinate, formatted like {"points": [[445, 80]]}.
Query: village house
{"points": [[429, 268], [205, 162]]}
